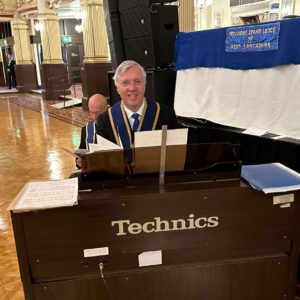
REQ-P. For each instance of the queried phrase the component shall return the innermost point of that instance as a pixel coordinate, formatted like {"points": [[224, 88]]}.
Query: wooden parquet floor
{"points": [[32, 137]]}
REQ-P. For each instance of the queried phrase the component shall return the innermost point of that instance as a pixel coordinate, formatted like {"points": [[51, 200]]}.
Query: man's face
{"points": [[95, 109], [94, 114], [131, 88]]}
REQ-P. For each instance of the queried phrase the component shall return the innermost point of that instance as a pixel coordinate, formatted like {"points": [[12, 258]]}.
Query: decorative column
{"points": [[54, 72], [186, 16], [25, 68], [96, 61]]}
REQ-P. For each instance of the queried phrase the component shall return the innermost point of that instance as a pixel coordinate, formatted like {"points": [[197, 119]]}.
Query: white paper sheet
{"points": [[150, 258], [38, 195], [103, 144], [254, 131], [153, 138]]}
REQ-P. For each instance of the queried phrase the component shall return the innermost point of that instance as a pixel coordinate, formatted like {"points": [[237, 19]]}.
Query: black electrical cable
{"points": [[101, 266]]}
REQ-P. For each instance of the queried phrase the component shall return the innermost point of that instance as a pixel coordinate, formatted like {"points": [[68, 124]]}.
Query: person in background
{"points": [[11, 72], [134, 112], [97, 104]]}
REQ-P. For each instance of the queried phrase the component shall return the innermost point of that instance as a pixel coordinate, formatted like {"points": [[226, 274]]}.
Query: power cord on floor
{"points": [[101, 267]]}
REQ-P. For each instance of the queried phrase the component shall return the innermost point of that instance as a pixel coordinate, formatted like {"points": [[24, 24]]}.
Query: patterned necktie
{"points": [[136, 121]]}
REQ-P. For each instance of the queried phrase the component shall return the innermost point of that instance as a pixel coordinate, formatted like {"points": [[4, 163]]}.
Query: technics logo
{"points": [[159, 225]]}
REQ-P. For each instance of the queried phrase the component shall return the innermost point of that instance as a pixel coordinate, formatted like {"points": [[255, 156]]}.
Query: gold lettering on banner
{"points": [[268, 30], [255, 38], [125, 227], [238, 33], [253, 31], [258, 45]]}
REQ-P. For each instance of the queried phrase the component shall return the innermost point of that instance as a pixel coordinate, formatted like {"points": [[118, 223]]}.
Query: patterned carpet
{"points": [[73, 115]]}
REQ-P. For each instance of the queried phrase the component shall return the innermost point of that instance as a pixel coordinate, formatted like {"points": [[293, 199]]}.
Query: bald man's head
{"points": [[97, 104]]}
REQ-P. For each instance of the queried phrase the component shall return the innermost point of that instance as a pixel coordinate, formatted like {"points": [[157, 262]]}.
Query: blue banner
{"points": [[264, 45], [260, 37]]}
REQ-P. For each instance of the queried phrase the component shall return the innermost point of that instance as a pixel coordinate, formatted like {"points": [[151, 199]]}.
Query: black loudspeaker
{"points": [[115, 39], [110, 6], [114, 32], [126, 4], [149, 34], [160, 87]]}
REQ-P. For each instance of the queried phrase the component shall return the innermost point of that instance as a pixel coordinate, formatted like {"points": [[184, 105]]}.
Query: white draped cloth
{"points": [[268, 98]]}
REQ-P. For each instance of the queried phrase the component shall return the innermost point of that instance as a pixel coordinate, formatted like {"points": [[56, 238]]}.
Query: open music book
{"points": [[144, 157], [103, 144], [144, 139]]}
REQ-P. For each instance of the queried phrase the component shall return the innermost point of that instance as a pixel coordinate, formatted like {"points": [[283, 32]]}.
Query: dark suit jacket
{"points": [[83, 144], [166, 117], [83, 138], [11, 66]]}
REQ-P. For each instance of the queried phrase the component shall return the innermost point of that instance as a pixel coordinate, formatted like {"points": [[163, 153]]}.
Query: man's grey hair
{"points": [[124, 66]]}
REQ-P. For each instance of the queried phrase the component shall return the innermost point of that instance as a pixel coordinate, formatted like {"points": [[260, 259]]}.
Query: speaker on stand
{"points": [[149, 34], [114, 31], [127, 4]]}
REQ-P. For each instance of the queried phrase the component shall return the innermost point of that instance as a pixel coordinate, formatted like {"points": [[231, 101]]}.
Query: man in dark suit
{"points": [[97, 104], [11, 72], [134, 112]]}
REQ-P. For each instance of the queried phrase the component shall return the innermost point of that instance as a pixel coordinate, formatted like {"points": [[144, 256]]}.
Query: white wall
{"points": [[297, 7], [221, 13]]}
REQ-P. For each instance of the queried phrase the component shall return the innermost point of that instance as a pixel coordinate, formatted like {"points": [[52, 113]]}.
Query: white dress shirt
{"points": [[129, 113]]}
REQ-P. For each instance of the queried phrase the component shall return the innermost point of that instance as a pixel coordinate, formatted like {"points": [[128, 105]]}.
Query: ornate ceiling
{"points": [[28, 8]]}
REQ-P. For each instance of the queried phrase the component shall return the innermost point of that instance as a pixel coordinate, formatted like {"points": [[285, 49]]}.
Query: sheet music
{"points": [[153, 138], [46, 194], [103, 144]]}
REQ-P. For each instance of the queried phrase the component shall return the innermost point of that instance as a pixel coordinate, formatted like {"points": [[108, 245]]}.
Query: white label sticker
{"points": [[95, 252], [150, 258], [285, 205], [282, 199]]}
